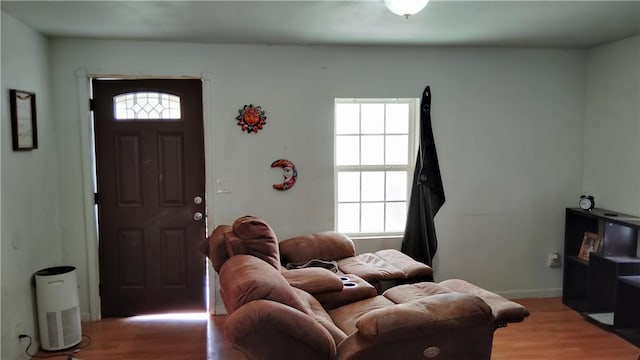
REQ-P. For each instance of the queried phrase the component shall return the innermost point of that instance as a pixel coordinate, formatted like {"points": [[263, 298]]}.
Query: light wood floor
{"points": [[552, 332]]}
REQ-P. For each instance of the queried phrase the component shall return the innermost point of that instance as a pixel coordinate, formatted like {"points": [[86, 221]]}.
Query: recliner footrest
{"points": [[504, 310]]}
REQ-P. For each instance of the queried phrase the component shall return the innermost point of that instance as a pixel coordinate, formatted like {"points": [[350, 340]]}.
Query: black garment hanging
{"points": [[427, 193]]}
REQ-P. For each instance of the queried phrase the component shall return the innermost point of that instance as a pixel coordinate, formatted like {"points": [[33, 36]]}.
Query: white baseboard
{"points": [[220, 310], [530, 293]]}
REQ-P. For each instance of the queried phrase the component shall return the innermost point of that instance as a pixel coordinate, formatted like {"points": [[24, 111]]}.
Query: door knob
{"points": [[197, 216], [197, 200]]}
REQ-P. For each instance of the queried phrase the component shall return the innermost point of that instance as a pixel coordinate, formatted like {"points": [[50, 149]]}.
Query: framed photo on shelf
{"points": [[24, 131], [590, 243]]}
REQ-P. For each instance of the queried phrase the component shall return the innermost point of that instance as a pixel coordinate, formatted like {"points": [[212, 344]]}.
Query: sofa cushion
{"points": [[313, 280], [253, 236], [216, 247], [412, 269], [246, 278], [346, 317], [370, 268], [406, 293], [324, 245]]}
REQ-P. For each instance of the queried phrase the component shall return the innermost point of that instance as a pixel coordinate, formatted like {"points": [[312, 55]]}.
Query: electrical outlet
{"points": [[555, 260], [17, 330], [18, 333]]}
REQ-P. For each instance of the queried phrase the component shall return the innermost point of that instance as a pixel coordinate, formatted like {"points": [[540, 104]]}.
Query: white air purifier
{"points": [[58, 308]]}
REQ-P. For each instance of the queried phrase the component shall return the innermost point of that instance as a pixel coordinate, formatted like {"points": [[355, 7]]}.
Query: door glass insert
{"points": [[146, 106]]}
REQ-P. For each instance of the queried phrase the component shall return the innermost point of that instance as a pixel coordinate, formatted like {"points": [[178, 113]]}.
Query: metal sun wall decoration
{"points": [[251, 118], [289, 173]]}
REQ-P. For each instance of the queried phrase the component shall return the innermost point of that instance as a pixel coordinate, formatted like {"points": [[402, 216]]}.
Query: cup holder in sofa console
{"points": [[350, 284], [344, 278]]}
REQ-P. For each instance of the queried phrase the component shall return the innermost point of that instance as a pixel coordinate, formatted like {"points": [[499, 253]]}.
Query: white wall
{"points": [[612, 126], [507, 123], [510, 125], [30, 223]]}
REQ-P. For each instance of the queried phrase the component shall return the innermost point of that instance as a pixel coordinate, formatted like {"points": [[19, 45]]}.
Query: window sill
{"points": [[374, 237]]}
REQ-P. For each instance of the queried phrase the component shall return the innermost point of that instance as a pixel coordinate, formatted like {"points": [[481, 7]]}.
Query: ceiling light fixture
{"points": [[405, 8]]}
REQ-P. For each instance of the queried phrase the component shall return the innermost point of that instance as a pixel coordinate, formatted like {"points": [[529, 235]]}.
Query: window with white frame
{"points": [[375, 149]]}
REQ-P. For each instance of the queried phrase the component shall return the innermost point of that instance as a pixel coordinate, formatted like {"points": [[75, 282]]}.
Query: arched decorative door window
{"points": [[146, 106]]}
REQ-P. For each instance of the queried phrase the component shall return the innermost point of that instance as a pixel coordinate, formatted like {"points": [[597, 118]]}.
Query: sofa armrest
{"points": [[264, 329], [354, 289], [313, 280], [451, 326]]}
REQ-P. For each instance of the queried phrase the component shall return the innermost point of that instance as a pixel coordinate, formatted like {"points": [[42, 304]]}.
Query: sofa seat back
{"points": [[245, 278], [324, 245], [248, 235]]}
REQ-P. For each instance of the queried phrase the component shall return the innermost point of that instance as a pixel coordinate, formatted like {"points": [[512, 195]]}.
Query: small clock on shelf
{"points": [[586, 202]]}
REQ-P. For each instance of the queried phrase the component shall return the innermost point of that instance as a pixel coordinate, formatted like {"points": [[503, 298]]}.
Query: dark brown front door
{"points": [[150, 175]]}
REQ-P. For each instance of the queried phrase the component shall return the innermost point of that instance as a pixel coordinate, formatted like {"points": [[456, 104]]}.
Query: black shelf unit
{"points": [[591, 287]]}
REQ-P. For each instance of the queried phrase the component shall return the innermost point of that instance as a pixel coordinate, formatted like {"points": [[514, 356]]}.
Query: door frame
{"points": [[85, 126]]}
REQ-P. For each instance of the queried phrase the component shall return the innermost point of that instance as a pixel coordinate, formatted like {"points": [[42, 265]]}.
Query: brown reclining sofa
{"points": [[314, 313]]}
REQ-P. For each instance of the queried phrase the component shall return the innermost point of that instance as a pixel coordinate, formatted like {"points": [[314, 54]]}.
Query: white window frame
{"points": [[412, 149]]}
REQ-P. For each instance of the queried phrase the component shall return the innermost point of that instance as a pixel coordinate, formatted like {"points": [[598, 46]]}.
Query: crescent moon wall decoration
{"points": [[251, 118], [289, 172]]}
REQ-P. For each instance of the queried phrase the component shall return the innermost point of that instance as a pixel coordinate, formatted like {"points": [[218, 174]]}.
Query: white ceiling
{"points": [[570, 24]]}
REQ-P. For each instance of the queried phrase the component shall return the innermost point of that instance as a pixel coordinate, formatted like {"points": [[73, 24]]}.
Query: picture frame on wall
{"points": [[24, 130], [590, 243]]}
